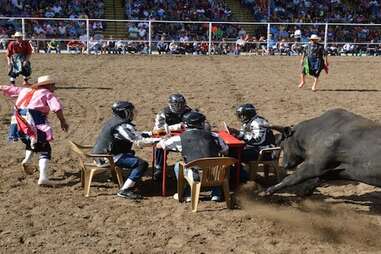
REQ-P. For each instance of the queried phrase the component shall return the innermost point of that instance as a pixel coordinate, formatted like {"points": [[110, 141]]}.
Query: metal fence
{"points": [[148, 33]]}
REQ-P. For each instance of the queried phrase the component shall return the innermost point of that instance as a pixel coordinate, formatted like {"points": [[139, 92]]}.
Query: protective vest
{"points": [[173, 118], [107, 143], [265, 137], [198, 143]]}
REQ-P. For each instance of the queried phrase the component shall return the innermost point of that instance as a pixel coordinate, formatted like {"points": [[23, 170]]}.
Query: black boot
{"points": [[129, 194], [157, 174]]}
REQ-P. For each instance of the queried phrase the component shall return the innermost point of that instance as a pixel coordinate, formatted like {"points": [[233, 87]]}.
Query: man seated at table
{"points": [[254, 131], [116, 138], [170, 118], [196, 142]]}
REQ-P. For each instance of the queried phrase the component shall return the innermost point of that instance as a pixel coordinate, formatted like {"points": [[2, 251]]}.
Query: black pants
{"points": [[43, 148], [159, 158]]}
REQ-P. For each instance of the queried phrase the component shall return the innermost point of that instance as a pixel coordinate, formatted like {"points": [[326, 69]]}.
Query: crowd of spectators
{"points": [[186, 10], [42, 29], [202, 10], [315, 11], [184, 38], [310, 11]]}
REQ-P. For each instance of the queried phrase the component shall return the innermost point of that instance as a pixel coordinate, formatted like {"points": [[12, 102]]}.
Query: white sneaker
{"points": [[216, 198], [186, 199]]}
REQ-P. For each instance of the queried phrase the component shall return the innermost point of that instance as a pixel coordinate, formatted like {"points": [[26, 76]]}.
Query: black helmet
{"points": [[176, 103], [246, 112], [194, 120], [123, 109]]}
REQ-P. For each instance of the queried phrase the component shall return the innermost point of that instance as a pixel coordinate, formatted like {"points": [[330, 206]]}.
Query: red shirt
{"points": [[74, 43], [19, 48]]}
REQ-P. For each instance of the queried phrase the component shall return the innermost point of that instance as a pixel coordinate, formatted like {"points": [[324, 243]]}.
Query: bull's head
{"points": [[288, 141]]}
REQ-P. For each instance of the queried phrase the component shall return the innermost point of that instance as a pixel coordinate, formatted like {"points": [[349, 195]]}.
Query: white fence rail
{"points": [[206, 31]]}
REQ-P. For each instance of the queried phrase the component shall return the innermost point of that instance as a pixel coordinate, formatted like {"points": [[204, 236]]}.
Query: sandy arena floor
{"points": [[341, 218]]}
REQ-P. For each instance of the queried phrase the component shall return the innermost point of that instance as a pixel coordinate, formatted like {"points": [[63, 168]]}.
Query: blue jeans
{"points": [[137, 165], [216, 191]]}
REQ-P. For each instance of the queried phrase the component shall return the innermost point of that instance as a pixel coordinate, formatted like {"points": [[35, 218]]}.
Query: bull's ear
{"points": [[288, 131]]}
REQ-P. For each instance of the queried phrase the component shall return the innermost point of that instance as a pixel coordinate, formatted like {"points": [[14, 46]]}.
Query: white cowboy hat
{"points": [[44, 80], [17, 34], [314, 37]]}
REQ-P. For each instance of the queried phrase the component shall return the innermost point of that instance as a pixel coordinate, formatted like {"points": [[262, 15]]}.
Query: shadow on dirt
{"points": [[83, 88], [349, 90]]}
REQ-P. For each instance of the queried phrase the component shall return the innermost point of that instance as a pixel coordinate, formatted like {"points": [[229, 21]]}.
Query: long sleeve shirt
{"points": [[23, 48], [43, 100], [255, 132], [174, 143], [128, 132]]}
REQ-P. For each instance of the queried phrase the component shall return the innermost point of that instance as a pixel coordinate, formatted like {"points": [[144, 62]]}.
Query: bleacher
{"points": [[181, 38]]}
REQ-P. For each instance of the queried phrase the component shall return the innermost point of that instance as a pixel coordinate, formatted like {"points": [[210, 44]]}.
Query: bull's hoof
{"points": [[269, 191]]}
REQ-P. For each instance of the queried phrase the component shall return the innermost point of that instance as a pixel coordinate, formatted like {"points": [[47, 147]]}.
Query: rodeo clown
{"points": [[117, 136], [313, 60], [30, 122], [169, 119], [196, 142], [254, 131], [18, 59]]}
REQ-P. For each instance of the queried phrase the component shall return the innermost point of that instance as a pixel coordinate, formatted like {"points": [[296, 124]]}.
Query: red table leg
{"points": [[164, 176]]}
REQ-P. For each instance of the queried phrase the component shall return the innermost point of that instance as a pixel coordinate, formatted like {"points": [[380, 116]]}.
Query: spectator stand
{"points": [[193, 37]]}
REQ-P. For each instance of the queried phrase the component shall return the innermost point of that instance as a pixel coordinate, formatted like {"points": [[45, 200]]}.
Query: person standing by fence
{"points": [[314, 60], [18, 59]]}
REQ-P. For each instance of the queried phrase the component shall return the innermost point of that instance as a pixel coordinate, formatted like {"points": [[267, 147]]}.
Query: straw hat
{"points": [[17, 34], [44, 80], [314, 37]]}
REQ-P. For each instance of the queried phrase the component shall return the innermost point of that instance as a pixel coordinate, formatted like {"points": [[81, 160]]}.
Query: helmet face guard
{"points": [[176, 103], [246, 112], [176, 107], [124, 110], [194, 120]]}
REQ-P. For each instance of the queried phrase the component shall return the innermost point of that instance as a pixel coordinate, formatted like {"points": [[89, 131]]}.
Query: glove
{"points": [[176, 127], [159, 132], [233, 131]]}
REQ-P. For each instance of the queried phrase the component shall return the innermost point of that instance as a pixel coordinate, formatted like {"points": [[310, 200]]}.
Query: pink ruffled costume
{"points": [[43, 101]]}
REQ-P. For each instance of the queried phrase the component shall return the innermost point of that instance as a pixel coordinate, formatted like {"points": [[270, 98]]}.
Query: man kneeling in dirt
{"points": [[116, 138], [195, 143]]}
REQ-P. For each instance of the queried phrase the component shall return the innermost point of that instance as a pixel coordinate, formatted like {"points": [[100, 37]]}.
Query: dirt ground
{"points": [[338, 218]]}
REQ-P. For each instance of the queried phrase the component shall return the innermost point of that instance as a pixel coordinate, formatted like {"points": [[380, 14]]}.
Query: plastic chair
{"points": [[213, 172], [89, 168], [266, 164]]}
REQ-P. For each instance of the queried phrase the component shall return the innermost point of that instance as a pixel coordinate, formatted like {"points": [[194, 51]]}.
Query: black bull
{"points": [[336, 145]]}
